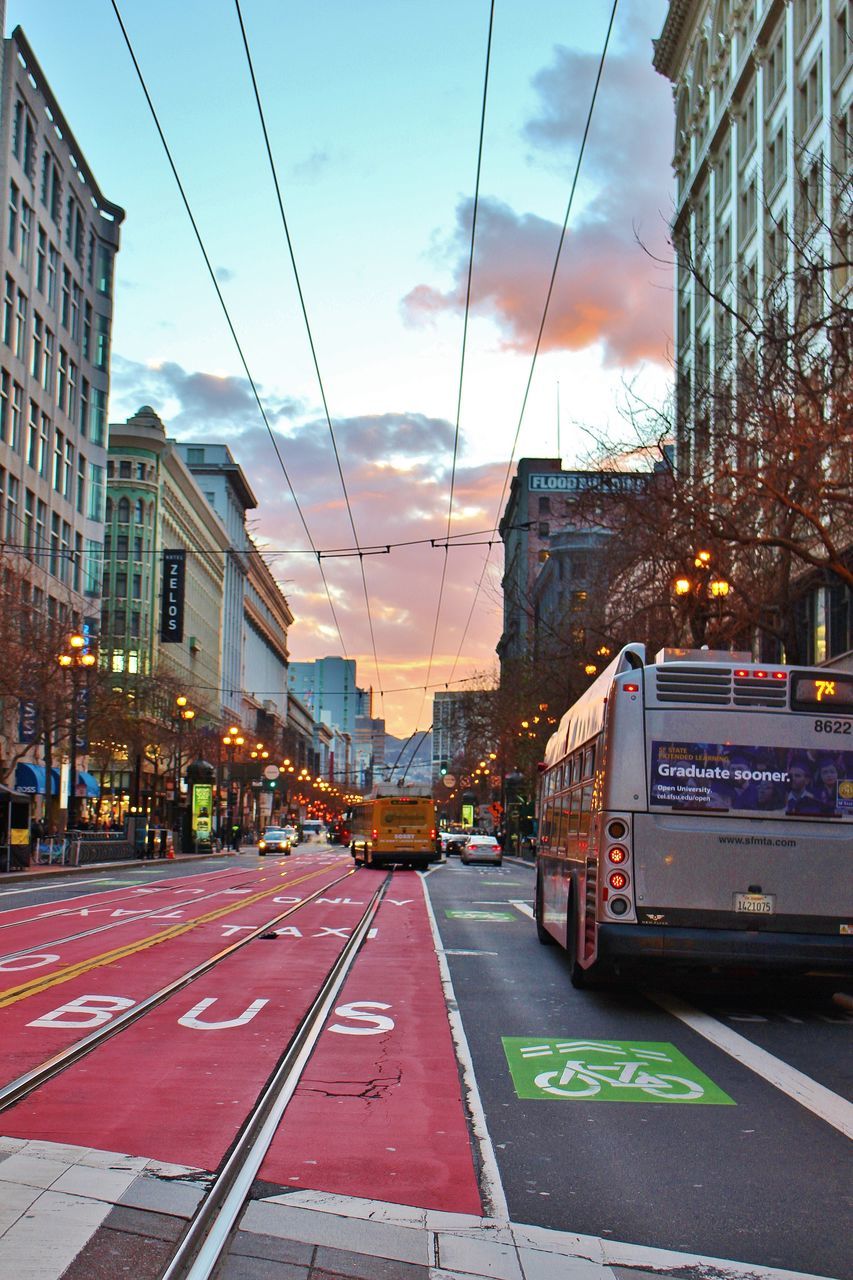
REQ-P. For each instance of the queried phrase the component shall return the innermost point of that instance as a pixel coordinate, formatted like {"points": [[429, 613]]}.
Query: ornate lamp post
{"points": [[698, 591], [231, 741], [183, 715], [78, 657]]}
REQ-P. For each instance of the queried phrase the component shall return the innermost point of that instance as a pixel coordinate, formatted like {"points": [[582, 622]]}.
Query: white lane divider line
{"points": [[822, 1102], [524, 907]]}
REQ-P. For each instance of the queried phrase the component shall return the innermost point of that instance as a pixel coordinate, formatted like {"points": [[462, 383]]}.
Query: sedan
{"points": [[274, 840], [452, 841], [482, 849]]}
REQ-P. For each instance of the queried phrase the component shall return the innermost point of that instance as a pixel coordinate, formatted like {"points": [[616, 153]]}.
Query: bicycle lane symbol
{"points": [[607, 1071]]}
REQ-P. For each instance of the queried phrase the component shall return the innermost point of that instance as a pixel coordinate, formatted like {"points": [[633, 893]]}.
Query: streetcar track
{"points": [[18, 1089], [12, 995], [115, 924], [206, 1239]]}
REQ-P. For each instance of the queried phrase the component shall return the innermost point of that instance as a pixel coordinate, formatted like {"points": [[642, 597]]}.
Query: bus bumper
{"points": [[724, 948]]}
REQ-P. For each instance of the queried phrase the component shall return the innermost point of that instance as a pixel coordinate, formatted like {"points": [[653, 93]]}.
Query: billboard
{"points": [[172, 609], [727, 778]]}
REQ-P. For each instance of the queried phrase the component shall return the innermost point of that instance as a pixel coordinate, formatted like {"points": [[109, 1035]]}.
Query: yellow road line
{"points": [[12, 995]]}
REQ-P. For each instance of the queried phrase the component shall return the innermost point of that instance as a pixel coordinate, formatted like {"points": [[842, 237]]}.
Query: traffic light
{"points": [[442, 768]]}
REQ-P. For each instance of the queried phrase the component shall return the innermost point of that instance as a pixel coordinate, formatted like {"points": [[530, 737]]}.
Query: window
{"points": [[78, 561], [195, 457], [723, 263], [8, 311], [29, 521], [84, 408], [5, 382], [17, 414], [50, 184], [810, 98], [91, 584], [102, 341], [810, 193], [137, 548], [123, 510], [121, 585], [805, 15], [44, 446], [58, 452], [747, 211], [21, 326], [96, 493], [41, 256], [41, 526], [104, 273], [12, 489], [52, 267], [49, 353], [67, 469], [65, 299], [75, 311], [774, 159], [87, 330], [124, 470], [140, 471], [13, 216], [98, 416], [774, 67], [139, 511], [74, 228], [81, 484], [25, 239], [776, 248], [38, 345], [121, 546], [33, 436], [71, 407], [137, 586], [747, 125]]}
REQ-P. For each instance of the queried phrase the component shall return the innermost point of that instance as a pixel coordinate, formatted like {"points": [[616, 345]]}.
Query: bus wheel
{"points": [[541, 932], [578, 976], [356, 859]]}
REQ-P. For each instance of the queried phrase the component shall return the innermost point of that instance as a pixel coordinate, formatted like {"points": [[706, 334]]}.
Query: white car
{"points": [[482, 849]]}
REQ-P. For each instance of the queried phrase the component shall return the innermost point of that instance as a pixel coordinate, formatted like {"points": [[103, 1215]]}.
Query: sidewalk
{"points": [[81, 1214], [36, 873]]}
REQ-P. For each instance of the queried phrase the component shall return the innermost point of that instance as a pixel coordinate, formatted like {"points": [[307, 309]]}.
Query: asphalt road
{"points": [[753, 1175]]}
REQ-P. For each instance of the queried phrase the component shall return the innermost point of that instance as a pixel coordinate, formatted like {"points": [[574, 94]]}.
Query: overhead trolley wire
{"points": [[544, 316], [464, 349], [225, 311], [310, 335]]}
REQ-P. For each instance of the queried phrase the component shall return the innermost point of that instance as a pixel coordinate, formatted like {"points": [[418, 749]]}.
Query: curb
{"points": [[61, 873]]}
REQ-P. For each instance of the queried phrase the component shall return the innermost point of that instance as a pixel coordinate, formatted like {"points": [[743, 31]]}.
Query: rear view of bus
{"points": [[714, 826], [395, 829]]}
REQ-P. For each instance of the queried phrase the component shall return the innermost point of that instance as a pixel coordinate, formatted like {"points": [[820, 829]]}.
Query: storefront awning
{"points": [[29, 779], [90, 782]]}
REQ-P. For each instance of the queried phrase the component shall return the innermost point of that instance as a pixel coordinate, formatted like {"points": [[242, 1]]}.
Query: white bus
{"points": [[698, 810]]}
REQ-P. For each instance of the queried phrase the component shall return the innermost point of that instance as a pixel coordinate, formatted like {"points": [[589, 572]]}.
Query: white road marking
{"points": [[448, 952], [524, 907], [490, 1178], [822, 1102]]}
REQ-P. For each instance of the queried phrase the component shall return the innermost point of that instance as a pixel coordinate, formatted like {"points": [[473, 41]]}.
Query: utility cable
{"points": [[310, 335], [464, 349], [544, 315], [225, 311]]}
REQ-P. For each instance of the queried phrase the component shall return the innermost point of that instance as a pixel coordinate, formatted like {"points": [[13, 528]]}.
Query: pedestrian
{"points": [[235, 837]]}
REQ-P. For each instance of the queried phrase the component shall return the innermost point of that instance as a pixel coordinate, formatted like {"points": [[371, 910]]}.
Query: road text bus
{"points": [[394, 827], [698, 809]]}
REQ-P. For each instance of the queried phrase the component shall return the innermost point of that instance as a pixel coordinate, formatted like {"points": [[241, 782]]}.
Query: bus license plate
{"points": [[759, 904]]}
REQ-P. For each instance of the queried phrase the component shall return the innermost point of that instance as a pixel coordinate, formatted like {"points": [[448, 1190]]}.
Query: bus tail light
{"points": [[618, 853], [617, 829], [619, 906], [617, 880]]}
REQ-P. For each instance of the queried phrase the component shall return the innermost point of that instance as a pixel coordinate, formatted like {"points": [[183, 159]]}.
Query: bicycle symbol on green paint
{"points": [[607, 1071], [579, 1080]]}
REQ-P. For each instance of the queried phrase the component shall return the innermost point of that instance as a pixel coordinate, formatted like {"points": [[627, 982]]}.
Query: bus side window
{"points": [[583, 821], [558, 838], [577, 762], [589, 762], [576, 810], [546, 824]]}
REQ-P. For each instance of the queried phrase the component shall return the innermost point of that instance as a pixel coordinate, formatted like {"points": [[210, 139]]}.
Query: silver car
{"points": [[481, 849]]}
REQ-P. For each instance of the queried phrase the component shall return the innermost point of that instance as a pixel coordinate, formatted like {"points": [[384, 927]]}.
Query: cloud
{"points": [[194, 400], [225, 275], [312, 167], [610, 290]]}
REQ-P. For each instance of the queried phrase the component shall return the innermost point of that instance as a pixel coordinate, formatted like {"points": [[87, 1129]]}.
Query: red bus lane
{"points": [[104, 974], [176, 1085], [378, 1112], [34, 925]]}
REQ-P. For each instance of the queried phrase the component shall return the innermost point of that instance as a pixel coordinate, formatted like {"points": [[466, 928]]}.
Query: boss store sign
{"points": [[174, 585]]}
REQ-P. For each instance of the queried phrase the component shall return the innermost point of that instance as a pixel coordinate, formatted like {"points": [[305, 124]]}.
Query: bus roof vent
{"points": [[694, 684]]}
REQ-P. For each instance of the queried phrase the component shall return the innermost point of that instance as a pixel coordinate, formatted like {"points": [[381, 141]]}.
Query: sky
{"points": [[373, 112]]}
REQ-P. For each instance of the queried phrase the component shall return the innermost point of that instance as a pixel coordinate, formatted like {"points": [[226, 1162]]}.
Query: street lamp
{"points": [[697, 591], [231, 741], [183, 715], [79, 658]]}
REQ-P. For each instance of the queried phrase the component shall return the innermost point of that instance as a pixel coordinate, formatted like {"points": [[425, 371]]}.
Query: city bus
{"points": [[698, 810], [394, 826]]}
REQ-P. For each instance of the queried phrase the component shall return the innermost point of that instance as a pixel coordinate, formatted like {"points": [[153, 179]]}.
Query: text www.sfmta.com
{"points": [[766, 840]]}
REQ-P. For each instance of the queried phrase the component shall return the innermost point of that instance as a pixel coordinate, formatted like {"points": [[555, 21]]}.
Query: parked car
{"points": [[481, 849], [274, 840], [292, 832], [452, 841]]}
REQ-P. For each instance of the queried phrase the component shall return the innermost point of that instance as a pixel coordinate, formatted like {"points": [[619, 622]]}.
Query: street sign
{"points": [[272, 771], [449, 779]]}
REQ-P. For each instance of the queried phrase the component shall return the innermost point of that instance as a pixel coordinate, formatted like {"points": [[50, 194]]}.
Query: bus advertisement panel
{"points": [[725, 777]]}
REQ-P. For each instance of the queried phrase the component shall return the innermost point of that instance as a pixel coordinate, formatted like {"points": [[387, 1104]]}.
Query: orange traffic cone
{"points": [[170, 847]]}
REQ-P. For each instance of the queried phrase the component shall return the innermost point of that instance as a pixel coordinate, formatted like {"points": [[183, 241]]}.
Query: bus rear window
{"points": [[827, 693]]}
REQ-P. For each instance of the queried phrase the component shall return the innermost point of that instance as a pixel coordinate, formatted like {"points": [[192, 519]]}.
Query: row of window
{"points": [[142, 512], [37, 347], [99, 257], [84, 404], [128, 470], [45, 538]]}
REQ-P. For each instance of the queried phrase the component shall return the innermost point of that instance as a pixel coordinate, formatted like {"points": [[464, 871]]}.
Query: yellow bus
{"points": [[394, 827]]}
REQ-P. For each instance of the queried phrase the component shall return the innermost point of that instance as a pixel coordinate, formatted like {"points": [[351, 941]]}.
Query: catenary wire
{"points": [[443, 578], [225, 310], [311, 344], [545, 309]]}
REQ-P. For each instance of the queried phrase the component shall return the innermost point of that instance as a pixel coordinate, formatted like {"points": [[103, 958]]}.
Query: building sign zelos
{"points": [[172, 611]]}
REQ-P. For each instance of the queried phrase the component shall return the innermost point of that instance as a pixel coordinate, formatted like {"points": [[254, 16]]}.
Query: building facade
{"points": [[59, 236], [327, 687], [763, 105]]}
